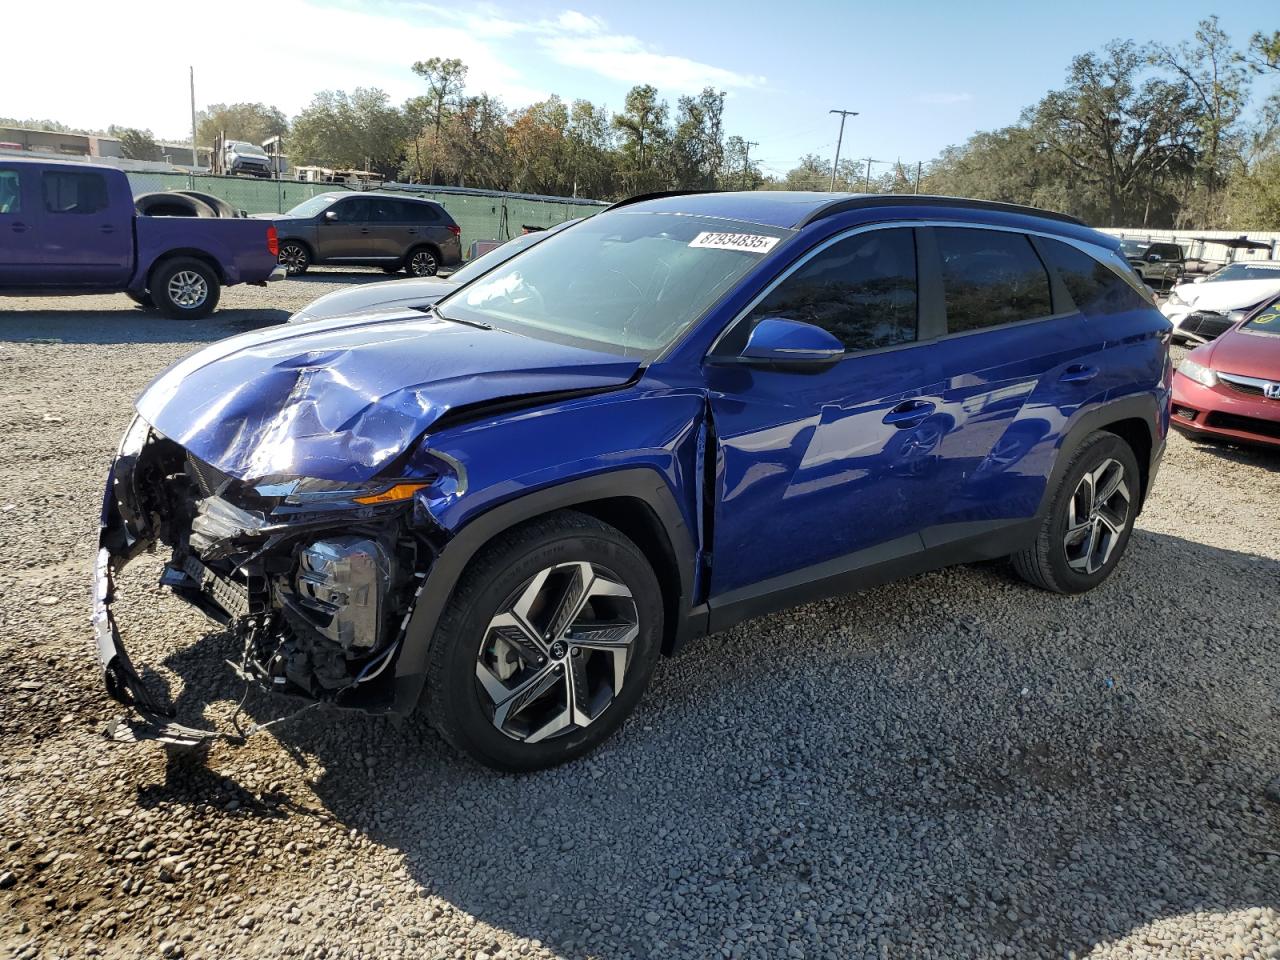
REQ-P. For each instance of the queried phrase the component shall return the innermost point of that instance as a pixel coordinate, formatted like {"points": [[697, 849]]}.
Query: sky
{"points": [[921, 76]]}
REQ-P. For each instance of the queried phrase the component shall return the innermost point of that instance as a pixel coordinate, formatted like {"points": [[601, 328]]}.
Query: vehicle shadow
{"points": [[1267, 458], [103, 327], [916, 769]]}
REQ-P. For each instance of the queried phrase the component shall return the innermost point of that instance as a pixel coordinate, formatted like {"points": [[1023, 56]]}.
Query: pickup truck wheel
{"points": [[294, 257], [185, 288], [547, 643]]}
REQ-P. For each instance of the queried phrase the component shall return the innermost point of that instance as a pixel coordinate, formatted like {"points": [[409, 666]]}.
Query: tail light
{"points": [[455, 230], [273, 242]]}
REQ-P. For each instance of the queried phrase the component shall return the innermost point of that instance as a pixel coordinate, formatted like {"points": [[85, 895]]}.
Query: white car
{"points": [[1201, 310]]}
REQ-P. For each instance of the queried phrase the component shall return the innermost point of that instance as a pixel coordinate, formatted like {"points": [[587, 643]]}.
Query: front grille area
{"points": [[1248, 389], [1255, 425]]}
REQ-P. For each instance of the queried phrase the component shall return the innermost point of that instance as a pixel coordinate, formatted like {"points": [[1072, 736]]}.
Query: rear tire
{"points": [[546, 645], [422, 262], [1090, 519], [185, 288]]}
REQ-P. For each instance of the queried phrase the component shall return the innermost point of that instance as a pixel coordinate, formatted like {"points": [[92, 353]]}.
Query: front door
{"points": [[343, 233], [836, 468]]}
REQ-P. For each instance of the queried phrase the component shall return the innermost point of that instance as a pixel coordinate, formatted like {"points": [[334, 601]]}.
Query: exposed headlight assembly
{"points": [[1197, 372], [311, 490]]}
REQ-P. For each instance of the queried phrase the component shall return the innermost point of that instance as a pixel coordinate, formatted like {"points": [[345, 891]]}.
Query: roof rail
{"points": [[907, 199], [656, 195]]}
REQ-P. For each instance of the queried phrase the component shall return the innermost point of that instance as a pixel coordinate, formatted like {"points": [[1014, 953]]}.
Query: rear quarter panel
{"points": [[238, 246]]}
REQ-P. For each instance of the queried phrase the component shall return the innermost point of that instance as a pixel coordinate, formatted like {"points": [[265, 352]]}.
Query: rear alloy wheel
{"points": [[547, 644], [1089, 521], [422, 263], [185, 289], [294, 257]]}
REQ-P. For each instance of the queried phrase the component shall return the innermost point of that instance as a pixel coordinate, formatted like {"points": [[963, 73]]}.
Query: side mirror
{"points": [[1153, 258], [778, 341], [331, 215]]}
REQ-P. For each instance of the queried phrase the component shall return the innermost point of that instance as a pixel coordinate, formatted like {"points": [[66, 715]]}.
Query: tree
{"points": [[445, 78], [252, 122], [349, 131], [696, 155], [645, 139], [1217, 86], [740, 171], [137, 144]]}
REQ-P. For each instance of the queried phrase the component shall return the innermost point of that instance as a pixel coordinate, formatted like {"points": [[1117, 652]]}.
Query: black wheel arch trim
{"points": [[641, 483]]}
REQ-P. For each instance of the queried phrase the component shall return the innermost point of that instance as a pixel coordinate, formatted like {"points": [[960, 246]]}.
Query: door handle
{"points": [[413, 232], [107, 228], [910, 413], [1078, 373], [19, 228], [364, 229]]}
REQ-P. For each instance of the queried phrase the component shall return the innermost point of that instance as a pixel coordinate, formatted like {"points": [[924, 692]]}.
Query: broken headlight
{"points": [[305, 490], [343, 582]]}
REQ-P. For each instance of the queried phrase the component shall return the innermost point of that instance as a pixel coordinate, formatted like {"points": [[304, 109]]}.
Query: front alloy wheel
{"points": [[294, 258], [547, 643], [556, 655]]}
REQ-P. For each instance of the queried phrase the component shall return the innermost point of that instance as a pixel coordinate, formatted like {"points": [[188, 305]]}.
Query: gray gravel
{"points": [[955, 766]]}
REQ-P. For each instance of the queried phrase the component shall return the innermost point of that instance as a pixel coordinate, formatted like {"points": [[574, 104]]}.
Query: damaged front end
{"points": [[313, 579]]}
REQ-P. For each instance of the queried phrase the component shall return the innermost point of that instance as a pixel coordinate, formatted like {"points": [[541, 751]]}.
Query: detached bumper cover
{"points": [[125, 686]]}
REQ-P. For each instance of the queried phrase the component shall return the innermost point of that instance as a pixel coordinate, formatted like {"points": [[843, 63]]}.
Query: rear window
{"points": [[990, 277], [10, 194], [74, 192], [1095, 288]]}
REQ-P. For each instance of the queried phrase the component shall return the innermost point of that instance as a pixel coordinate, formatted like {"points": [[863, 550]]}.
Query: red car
{"points": [[1230, 387]]}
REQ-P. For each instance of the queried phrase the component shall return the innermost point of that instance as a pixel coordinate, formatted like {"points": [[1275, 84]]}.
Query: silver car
{"points": [[421, 292]]}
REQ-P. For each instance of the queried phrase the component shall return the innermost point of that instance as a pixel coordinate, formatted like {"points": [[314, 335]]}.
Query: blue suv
{"points": [[683, 412]]}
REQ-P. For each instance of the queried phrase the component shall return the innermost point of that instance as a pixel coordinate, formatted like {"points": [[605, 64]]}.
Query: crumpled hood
{"points": [[1223, 296], [340, 399]]}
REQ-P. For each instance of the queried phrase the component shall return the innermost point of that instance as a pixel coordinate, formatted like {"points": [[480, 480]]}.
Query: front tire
{"points": [[547, 644], [1090, 519], [294, 257], [185, 289]]}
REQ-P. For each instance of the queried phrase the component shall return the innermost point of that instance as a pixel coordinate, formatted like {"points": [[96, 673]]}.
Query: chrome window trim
{"points": [[1101, 254]]}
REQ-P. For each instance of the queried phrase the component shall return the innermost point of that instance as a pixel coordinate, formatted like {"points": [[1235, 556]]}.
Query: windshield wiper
{"points": [[433, 309]]}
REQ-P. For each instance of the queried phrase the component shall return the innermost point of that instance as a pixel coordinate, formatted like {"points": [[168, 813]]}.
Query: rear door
{"points": [[85, 233], [835, 465], [1017, 361], [346, 235], [395, 228], [19, 220]]}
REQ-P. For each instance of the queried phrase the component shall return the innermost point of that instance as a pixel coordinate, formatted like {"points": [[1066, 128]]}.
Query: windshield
{"points": [[1268, 321], [628, 282], [248, 149], [1133, 248], [497, 256], [309, 208], [1246, 271]]}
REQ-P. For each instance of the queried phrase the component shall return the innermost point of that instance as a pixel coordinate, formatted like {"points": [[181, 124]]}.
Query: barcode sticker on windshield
{"points": [[746, 242]]}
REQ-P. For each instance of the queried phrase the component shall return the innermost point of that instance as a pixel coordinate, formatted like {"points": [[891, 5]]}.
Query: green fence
{"points": [[482, 215]]}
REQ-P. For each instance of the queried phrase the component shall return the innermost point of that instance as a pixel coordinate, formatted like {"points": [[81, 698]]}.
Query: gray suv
{"points": [[370, 229]]}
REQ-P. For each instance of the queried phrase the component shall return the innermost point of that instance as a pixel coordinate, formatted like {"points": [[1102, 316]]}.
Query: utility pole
{"points": [[869, 161], [746, 158], [844, 115], [195, 151], [917, 176]]}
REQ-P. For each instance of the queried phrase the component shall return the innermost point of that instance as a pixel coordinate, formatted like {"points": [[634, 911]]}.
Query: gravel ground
{"points": [[954, 766]]}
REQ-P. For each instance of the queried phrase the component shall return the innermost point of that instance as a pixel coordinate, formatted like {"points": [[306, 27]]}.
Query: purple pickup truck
{"points": [[70, 228]]}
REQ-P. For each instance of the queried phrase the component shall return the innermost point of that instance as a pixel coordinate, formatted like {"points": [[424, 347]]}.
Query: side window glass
{"points": [[862, 289], [10, 192], [423, 213], [74, 192], [1095, 288], [352, 211], [990, 277]]}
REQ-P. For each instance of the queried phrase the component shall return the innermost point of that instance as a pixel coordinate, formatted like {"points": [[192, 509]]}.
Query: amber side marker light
{"points": [[401, 491]]}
